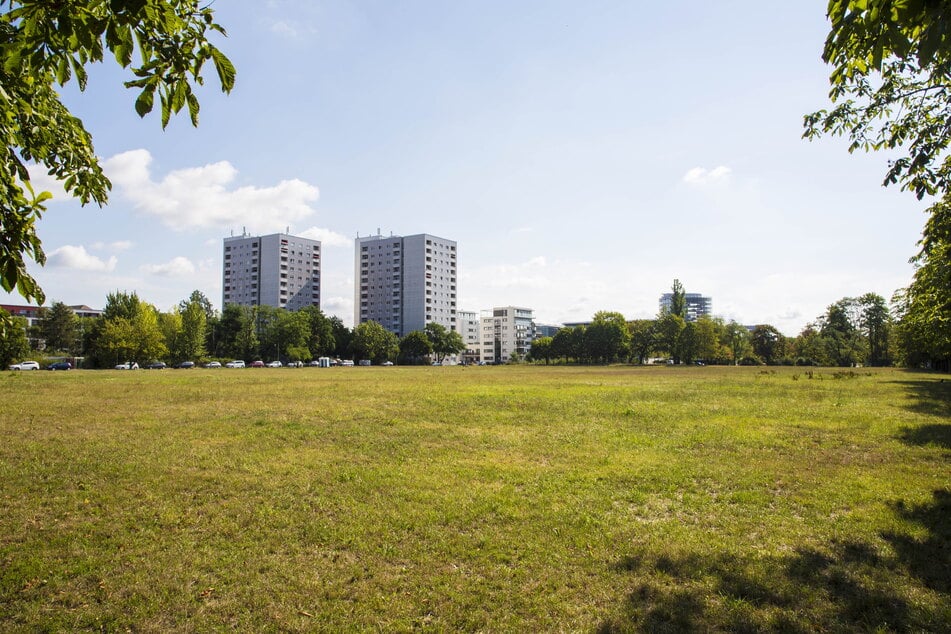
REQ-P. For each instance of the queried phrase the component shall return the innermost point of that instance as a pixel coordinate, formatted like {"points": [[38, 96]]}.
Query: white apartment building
{"points": [[278, 270], [506, 331], [468, 325], [405, 282]]}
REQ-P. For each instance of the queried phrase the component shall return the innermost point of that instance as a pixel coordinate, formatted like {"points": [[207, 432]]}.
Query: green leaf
{"points": [[225, 68], [193, 107], [144, 103]]}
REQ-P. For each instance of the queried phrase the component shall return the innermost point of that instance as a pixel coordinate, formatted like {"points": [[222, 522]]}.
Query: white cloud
{"points": [[76, 257], [327, 237], [201, 196], [176, 267], [701, 176], [119, 245], [340, 306]]}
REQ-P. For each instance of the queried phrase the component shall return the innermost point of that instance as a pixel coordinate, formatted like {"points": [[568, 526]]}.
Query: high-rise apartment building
{"points": [[405, 282], [278, 270], [697, 305], [506, 331]]}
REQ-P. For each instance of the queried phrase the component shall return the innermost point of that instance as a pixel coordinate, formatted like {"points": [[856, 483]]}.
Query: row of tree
{"points": [[131, 329], [853, 331]]}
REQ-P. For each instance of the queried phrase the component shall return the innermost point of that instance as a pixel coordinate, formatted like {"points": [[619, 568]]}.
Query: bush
{"points": [[751, 360]]}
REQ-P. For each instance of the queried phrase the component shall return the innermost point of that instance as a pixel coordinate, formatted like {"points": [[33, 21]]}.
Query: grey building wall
{"points": [[406, 282], [277, 270]]}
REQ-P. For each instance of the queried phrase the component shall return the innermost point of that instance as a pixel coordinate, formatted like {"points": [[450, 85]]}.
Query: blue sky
{"points": [[583, 155]]}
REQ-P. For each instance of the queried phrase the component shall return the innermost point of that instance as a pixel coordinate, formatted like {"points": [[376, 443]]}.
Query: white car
{"points": [[237, 363], [275, 364], [25, 365], [212, 364]]}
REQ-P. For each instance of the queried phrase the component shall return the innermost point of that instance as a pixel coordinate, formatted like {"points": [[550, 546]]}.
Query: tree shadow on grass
{"points": [[847, 586], [929, 396]]}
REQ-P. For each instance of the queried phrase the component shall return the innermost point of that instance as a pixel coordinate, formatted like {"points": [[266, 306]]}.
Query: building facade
{"points": [[405, 282], [697, 305], [468, 326], [277, 270], [506, 331]]}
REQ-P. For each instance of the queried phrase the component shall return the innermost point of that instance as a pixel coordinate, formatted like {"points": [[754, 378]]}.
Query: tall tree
{"points": [[444, 342], [689, 344], [561, 344], [13, 343], [737, 341], [246, 343], [876, 325], [541, 349], [768, 343], [129, 331], [374, 342], [415, 347], [708, 342], [342, 336], [839, 329], [194, 315], [320, 338], [59, 328], [45, 44], [643, 338], [607, 337], [231, 322], [924, 308], [669, 327], [678, 300]]}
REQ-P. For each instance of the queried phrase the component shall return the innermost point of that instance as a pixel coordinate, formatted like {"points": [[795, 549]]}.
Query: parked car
{"points": [[60, 365], [313, 364], [25, 365], [186, 365], [387, 363], [347, 363], [257, 364], [156, 365], [128, 366], [237, 363], [212, 364], [365, 362], [275, 364]]}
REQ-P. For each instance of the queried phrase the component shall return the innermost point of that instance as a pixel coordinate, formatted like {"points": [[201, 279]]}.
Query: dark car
{"points": [[60, 365], [185, 365], [155, 365]]}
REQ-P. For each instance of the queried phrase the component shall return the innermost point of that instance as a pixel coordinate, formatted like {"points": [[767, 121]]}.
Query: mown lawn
{"points": [[475, 499]]}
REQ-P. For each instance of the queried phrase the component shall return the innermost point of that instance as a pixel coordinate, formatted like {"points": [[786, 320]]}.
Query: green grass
{"points": [[478, 499]]}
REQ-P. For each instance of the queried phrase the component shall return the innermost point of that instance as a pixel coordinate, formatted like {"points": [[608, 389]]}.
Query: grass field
{"points": [[476, 499]]}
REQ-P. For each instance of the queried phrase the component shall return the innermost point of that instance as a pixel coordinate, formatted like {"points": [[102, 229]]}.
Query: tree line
{"points": [[131, 329], [852, 331]]}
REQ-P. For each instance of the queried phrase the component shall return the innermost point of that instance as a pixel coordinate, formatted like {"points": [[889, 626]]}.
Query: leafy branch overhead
{"points": [[44, 44], [890, 86]]}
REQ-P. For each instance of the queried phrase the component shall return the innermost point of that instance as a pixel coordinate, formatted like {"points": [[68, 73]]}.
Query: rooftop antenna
{"points": [[378, 232]]}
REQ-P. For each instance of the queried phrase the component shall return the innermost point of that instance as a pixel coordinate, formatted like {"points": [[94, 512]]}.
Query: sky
{"points": [[583, 156]]}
